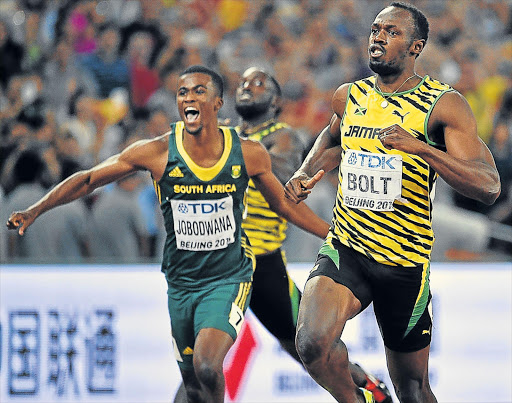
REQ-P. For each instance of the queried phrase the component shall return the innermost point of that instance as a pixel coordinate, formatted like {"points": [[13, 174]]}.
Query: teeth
{"points": [[191, 114], [375, 51]]}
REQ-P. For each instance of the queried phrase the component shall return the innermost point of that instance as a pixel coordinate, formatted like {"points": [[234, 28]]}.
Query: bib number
{"points": [[371, 181], [203, 225]]}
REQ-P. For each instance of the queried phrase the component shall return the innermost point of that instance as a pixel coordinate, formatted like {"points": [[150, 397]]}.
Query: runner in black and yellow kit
{"points": [[275, 296], [201, 172], [395, 133]]}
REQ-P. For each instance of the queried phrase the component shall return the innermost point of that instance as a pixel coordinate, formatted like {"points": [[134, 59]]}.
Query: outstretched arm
{"points": [[467, 165], [138, 156], [259, 168]]}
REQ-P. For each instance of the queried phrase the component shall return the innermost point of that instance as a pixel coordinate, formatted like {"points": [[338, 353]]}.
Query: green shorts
{"points": [[220, 307]]}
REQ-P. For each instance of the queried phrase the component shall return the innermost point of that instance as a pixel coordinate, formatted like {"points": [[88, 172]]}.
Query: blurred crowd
{"points": [[82, 79]]}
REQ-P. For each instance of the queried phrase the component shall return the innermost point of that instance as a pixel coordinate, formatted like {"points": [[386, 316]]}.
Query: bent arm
{"points": [[324, 156], [326, 151], [300, 215], [259, 168], [468, 165]]}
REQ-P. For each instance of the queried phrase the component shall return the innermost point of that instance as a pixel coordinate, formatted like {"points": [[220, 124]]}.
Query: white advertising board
{"points": [[102, 334]]}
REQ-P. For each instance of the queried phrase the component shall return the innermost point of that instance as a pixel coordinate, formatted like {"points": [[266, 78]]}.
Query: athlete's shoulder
{"points": [[339, 99]]}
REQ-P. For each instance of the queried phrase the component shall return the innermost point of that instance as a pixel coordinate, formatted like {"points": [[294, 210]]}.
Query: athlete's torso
{"points": [[265, 229], [383, 205], [202, 209]]}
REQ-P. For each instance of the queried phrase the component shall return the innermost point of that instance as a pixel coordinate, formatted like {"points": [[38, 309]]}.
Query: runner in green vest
{"points": [[201, 173]]}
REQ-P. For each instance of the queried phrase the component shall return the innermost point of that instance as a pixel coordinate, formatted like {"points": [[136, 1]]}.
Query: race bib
{"points": [[203, 225], [371, 181]]}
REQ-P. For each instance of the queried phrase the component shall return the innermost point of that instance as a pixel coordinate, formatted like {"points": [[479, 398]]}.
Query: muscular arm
{"points": [[324, 156], [144, 154], [467, 165], [259, 168]]}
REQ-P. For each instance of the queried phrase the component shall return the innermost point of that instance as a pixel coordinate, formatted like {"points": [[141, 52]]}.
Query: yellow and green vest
{"points": [[203, 210], [404, 235]]}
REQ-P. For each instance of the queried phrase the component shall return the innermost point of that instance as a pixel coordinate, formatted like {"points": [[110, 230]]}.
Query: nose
{"points": [[380, 37], [188, 97]]}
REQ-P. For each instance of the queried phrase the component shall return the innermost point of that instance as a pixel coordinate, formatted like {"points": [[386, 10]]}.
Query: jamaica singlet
{"points": [[384, 200], [202, 209], [265, 229]]}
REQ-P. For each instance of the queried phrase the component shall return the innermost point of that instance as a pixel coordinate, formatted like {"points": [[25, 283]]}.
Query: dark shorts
{"points": [[400, 295], [275, 297], [217, 306]]}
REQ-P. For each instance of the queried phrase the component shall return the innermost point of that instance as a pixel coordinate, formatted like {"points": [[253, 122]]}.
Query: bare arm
{"points": [[259, 168], [144, 154], [467, 165]]}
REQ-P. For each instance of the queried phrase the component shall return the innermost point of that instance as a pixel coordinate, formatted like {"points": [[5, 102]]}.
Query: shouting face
{"points": [[198, 101]]}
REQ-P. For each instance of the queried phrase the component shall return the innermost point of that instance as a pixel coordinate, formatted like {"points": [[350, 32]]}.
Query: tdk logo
{"points": [[371, 161], [201, 207]]}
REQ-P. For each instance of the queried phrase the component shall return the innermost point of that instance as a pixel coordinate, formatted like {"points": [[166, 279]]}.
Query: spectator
{"points": [[118, 231], [35, 244], [62, 78], [165, 97], [12, 55], [144, 80], [108, 69]]}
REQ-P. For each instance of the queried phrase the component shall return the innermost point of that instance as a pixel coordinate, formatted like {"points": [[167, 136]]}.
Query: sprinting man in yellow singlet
{"points": [[395, 133]]}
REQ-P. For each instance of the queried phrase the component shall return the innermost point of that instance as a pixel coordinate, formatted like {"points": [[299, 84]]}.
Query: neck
{"points": [[402, 81], [205, 147], [257, 124]]}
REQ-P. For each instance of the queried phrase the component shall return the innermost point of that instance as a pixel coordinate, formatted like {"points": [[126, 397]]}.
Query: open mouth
{"points": [[375, 51], [191, 114], [245, 96]]}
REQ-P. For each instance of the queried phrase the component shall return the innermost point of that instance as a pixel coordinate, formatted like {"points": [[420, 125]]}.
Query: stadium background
{"points": [[81, 79]]}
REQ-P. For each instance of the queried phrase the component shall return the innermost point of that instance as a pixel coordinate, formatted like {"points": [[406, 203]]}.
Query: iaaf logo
{"points": [[238, 361], [371, 160]]}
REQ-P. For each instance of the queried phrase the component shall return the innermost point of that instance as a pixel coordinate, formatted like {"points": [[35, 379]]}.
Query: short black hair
{"points": [[216, 78], [420, 21], [28, 167]]}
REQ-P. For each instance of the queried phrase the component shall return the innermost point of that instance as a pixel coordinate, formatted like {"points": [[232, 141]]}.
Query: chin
{"points": [[383, 68], [193, 131]]}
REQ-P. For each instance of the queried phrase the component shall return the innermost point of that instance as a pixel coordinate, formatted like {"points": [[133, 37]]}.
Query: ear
{"points": [[417, 47], [276, 105], [218, 104]]}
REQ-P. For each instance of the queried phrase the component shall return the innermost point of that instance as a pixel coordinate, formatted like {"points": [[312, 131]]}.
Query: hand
{"points": [[299, 187], [21, 220], [396, 137]]}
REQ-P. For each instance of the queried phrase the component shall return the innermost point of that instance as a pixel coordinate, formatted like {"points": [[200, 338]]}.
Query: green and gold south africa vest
{"points": [[383, 207], [202, 209]]}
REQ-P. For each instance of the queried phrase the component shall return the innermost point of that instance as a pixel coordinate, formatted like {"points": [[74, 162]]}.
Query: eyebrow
{"points": [[193, 88], [387, 26]]}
